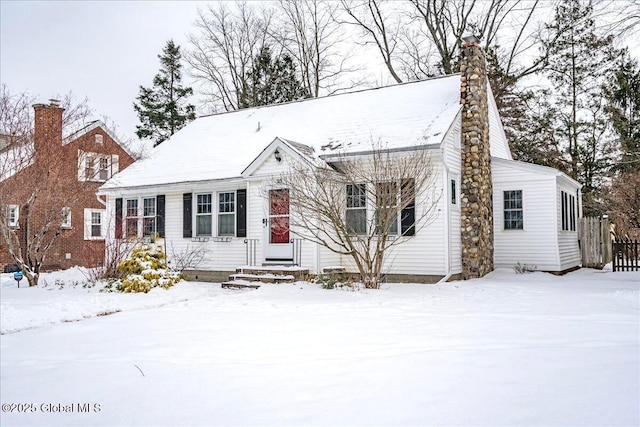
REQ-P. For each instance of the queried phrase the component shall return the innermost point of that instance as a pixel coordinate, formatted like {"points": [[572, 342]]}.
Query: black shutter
{"points": [[119, 218], [408, 200], [241, 213], [186, 215], [160, 215]]}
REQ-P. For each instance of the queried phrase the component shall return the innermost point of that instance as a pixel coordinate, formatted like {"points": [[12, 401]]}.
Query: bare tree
{"points": [[188, 257], [362, 208], [308, 31], [222, 52]]}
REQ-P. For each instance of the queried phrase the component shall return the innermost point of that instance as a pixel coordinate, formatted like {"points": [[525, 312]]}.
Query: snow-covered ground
{"points": [[508, 349]]}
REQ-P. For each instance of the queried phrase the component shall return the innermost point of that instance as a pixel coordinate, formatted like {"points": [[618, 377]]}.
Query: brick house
{"points": [[67, 173]]}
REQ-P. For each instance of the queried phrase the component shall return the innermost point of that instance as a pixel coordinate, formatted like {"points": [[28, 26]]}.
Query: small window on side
{"points": [[99, 139], [454, 195], [66, 218]]}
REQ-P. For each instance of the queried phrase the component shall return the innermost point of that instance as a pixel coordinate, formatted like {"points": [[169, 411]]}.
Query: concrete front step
{"points": [[240, 284], [264, 278], [298, 273]]}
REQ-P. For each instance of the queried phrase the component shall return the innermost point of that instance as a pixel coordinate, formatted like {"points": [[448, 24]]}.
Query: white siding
{"points": [[453, 159], [499, 145], [535, 245], [220, 256], [569, 251]]}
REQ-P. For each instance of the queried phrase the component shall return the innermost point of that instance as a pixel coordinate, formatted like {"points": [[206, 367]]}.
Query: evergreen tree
{"points": [[578, 63], [161, 108], [271, 81], [622, 92]]}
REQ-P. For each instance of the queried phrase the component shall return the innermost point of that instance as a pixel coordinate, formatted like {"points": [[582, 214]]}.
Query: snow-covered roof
{"points": [[223, 145], [532, 167], [14, 159]]}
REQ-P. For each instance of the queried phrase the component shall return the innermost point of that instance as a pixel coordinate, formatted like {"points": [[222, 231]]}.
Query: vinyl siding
{"points": [[453, 159], [569, 250], [499, 144], [535, 245]]}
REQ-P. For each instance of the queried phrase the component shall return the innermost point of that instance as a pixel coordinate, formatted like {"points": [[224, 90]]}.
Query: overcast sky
{"points": [[103, 50]]}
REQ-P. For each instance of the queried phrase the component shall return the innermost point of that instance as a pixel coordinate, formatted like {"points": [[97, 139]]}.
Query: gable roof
{"points": [[221, 146], [94, 125]]}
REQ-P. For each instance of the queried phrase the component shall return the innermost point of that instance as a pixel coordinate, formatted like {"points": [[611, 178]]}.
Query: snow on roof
{"points": [[14, 159], [222, 145]]}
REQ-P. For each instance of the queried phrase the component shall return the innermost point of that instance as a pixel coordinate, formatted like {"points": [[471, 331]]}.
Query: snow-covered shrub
{"points": [[145, 270]]}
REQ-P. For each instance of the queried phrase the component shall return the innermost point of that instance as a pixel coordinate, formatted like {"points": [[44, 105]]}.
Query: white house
{"points": [[208, 185]]}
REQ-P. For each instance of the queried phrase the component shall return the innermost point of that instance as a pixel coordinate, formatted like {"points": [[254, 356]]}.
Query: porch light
{"points": [[277, 156]]}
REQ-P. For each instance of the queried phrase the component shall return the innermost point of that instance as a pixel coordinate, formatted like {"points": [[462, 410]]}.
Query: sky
{"points": [[102, 50]]}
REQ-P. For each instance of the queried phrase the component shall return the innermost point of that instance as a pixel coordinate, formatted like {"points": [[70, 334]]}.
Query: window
{"points": [[454, 196], [94, 228], [203, 215], [66, 218], [99, 139], [226, 214], [356, 216], [387, 206], [568, 212], [13, 212], [96, 167], [96, 224], [513, 214], [104, 169], [88, 167], [131, 218], [149, 216]]}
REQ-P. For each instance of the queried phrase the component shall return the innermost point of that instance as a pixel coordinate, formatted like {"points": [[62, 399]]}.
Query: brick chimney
{"points": [[47, 132], [476, 190]]}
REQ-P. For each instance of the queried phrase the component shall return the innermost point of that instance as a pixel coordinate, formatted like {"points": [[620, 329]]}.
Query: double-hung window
{"points": [[103, 172], [226, 214], [94, 226], [89, 166], [203, 215], [387, 207], [513, 212], [148, 216], [131, 218], [96, 167], [356, 216]]}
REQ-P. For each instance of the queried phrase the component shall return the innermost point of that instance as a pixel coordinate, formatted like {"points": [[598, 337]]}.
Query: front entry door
{"points": [[278, 239]]}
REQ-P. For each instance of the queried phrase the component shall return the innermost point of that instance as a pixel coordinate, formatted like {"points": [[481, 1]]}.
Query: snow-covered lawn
{"points": [[508, 349]]}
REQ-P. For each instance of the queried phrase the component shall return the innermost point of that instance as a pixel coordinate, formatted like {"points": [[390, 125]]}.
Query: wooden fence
{"points": [[595, 242], [626, 256]]}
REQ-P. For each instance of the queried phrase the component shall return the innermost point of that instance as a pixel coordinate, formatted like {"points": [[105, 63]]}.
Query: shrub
{"points": [[524, 268], [144, 270]]}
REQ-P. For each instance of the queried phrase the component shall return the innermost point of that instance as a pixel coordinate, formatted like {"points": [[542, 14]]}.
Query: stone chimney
{"points": [[476, 192], [47, 132]]}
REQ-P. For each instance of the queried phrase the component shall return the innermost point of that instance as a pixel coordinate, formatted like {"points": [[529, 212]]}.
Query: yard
{"points": [[508, 349]]}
